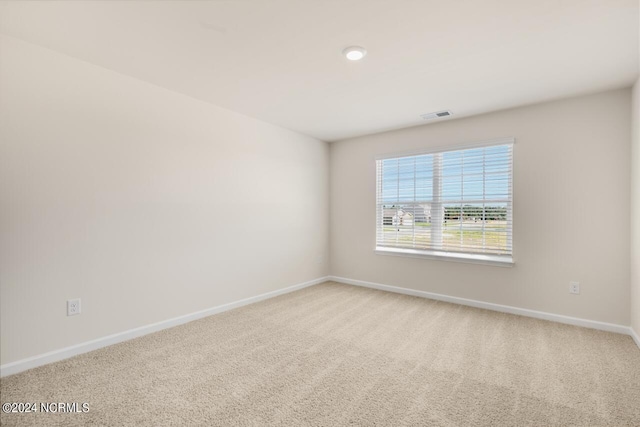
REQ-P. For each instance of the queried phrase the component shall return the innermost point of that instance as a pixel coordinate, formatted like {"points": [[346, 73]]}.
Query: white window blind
{"points": [[456, 202]]}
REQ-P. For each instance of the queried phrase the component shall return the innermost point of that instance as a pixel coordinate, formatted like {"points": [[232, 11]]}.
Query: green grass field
{"points": [[494, 238]]}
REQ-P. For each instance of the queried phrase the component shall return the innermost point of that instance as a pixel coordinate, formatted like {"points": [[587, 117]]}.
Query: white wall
{"points": [[571, 158], [145, 203], [635, 211]]}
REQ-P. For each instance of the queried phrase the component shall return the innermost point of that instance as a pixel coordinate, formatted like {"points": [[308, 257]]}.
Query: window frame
{"points": [[443, 255]]}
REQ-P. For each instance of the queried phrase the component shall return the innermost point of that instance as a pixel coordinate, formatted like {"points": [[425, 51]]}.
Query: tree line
{"points": [[468, 212]]}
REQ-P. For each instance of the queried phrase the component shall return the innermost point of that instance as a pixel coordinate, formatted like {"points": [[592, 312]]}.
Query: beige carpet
{"points": [[334, 355]]}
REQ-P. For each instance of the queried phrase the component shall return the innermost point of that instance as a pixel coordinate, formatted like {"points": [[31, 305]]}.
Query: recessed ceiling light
{"points": [[354, 53]]}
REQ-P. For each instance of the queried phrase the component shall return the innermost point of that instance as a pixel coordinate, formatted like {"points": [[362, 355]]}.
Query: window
{"points": [[455, 204]]}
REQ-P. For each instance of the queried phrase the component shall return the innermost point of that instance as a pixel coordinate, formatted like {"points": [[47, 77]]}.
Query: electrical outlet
{"points": [[574, 287], [73, 307]]}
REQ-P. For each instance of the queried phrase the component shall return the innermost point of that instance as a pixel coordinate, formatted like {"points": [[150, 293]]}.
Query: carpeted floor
{"points": [[333, 355]]}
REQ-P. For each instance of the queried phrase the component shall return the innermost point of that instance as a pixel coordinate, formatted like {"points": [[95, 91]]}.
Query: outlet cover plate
{"points": [[73, 307], [574, 287]]}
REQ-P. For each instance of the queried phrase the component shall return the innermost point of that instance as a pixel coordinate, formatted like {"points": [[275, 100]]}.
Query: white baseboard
{"points": [[74, 350], [635, 336], [610, 327]]}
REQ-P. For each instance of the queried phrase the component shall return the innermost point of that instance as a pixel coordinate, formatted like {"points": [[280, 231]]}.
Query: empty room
{"points": [[320, 213]]}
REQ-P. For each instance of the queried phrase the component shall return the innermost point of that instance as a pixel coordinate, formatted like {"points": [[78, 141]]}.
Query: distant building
{"points": [[421, 213], [406, 214]]}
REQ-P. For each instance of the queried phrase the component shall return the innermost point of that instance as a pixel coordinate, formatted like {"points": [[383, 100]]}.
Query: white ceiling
{"points": [[280, 60]]}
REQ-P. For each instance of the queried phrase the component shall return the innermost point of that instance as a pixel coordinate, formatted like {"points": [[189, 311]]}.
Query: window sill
{"points": [[495, 260]]}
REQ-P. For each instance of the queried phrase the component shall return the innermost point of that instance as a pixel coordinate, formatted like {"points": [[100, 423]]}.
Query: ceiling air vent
{"points": [[436, 115]]}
